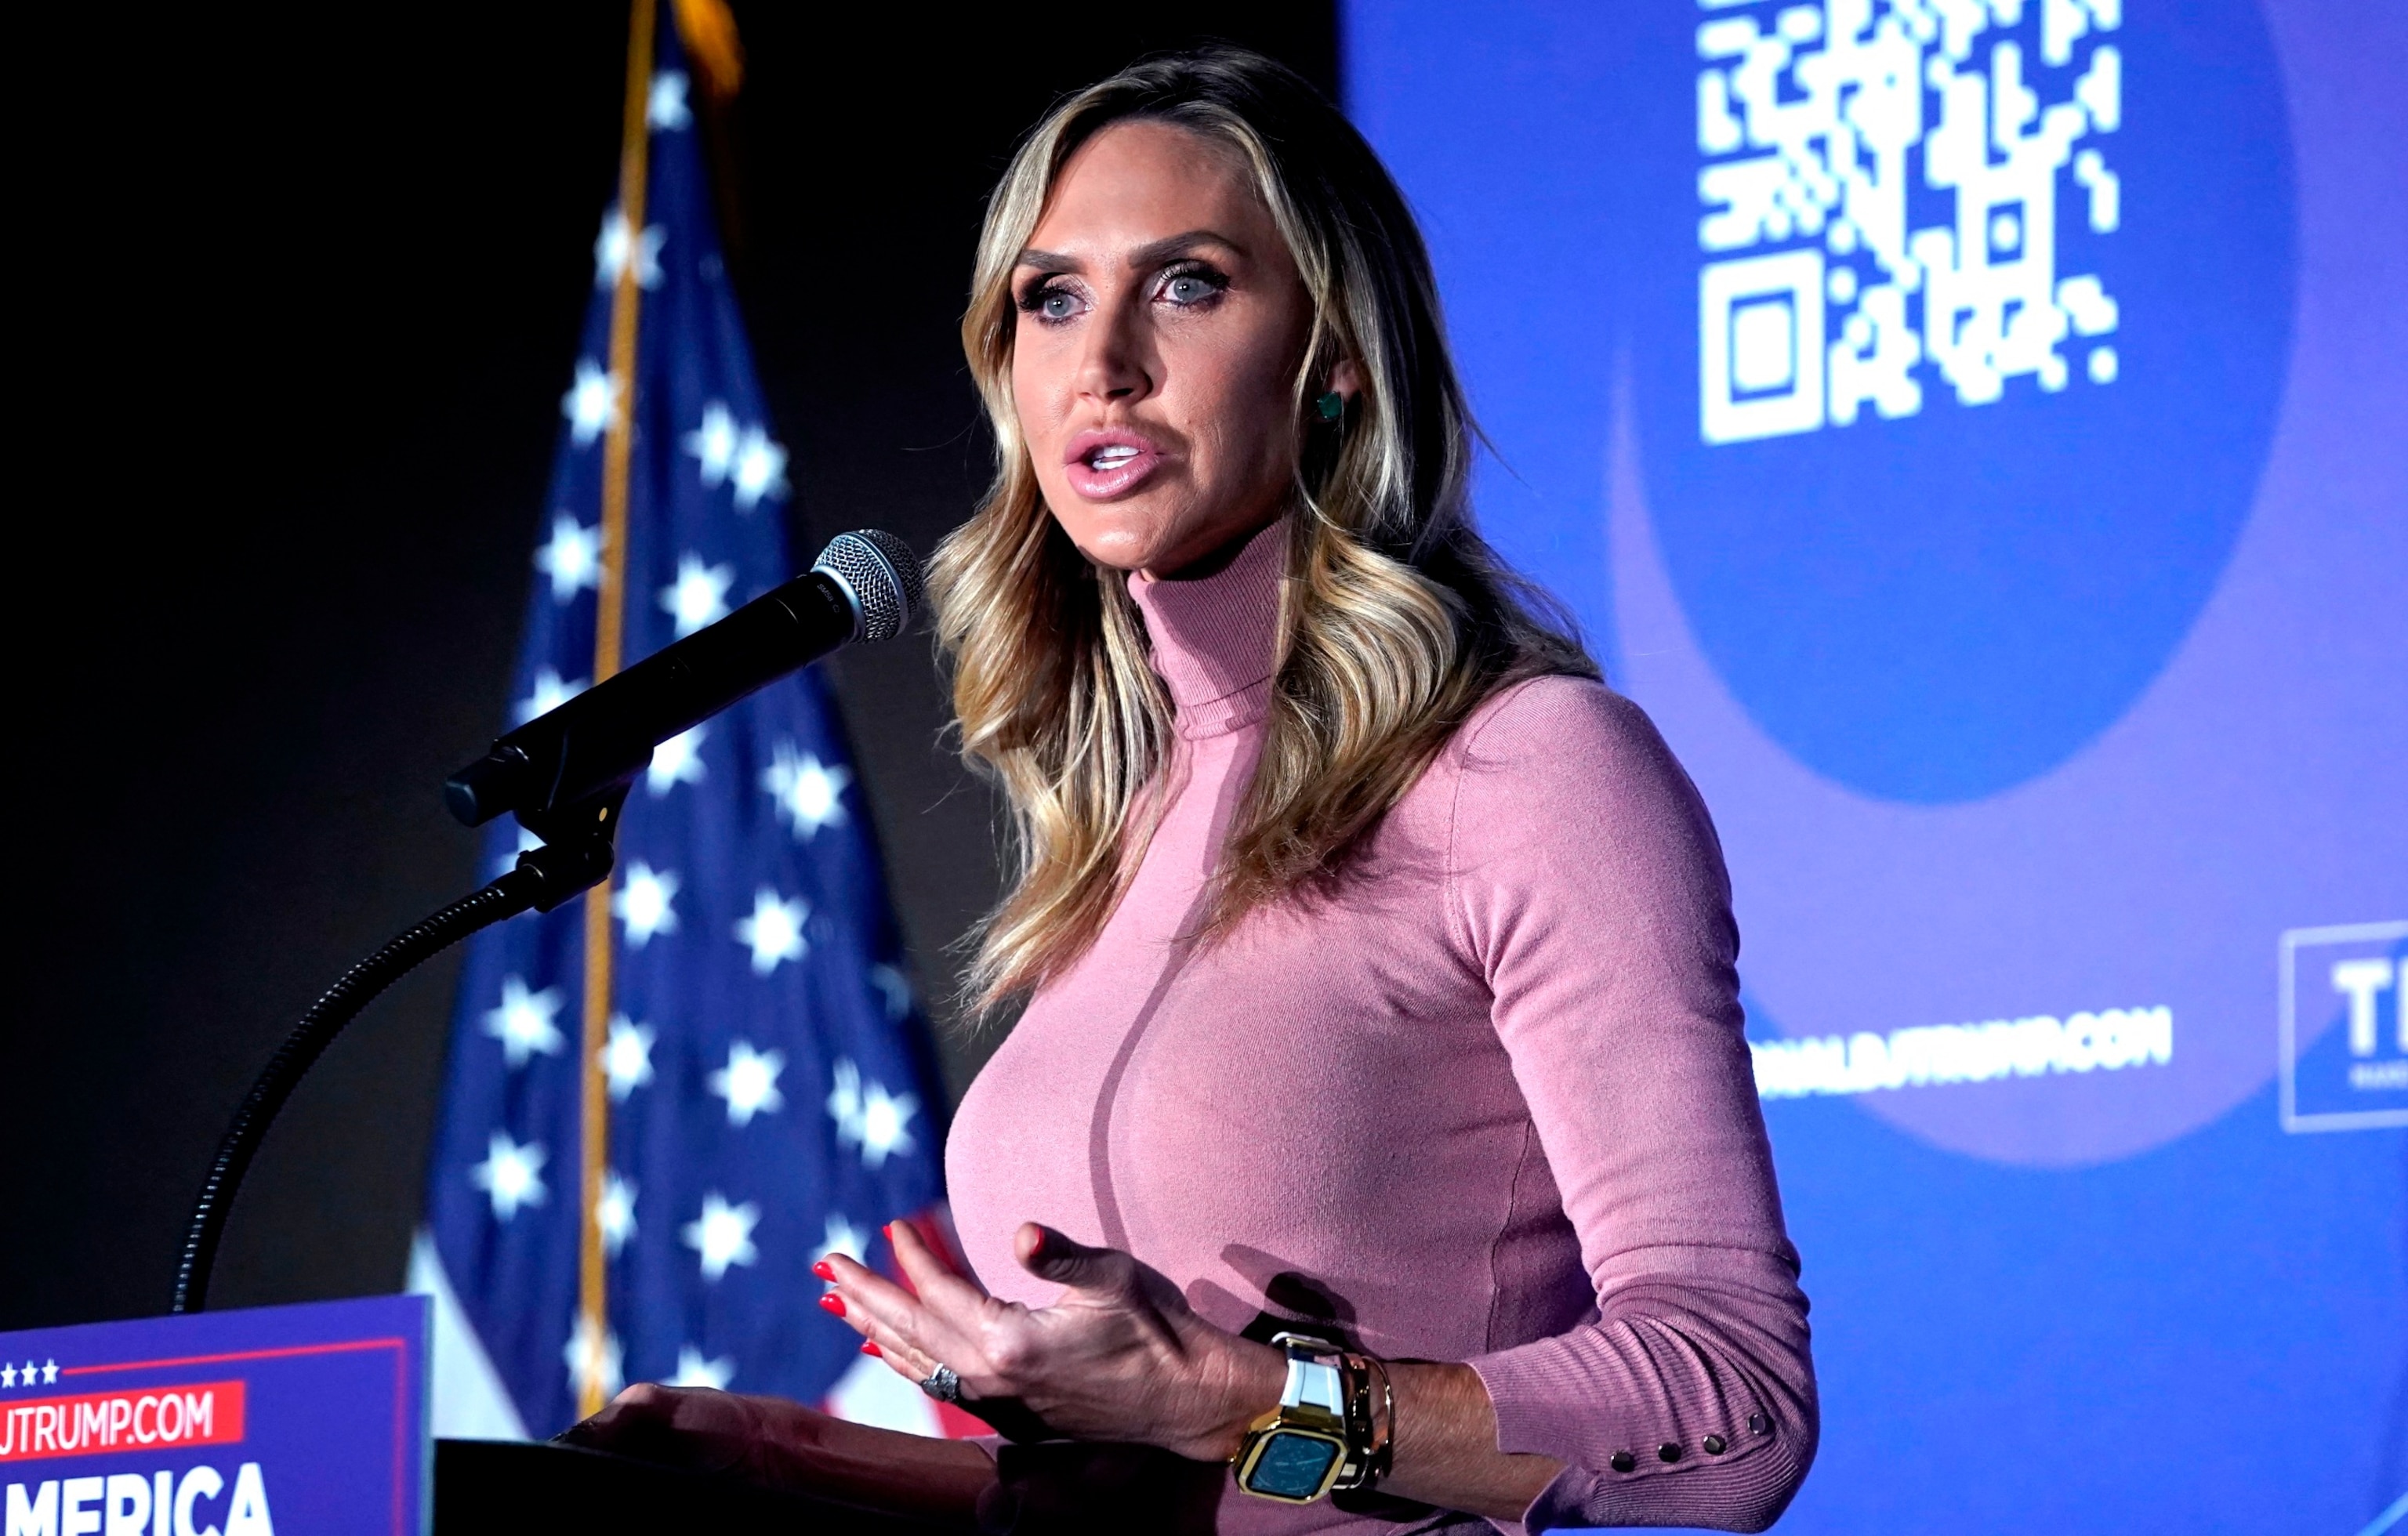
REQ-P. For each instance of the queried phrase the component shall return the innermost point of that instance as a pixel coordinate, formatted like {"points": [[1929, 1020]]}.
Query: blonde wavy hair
{"points": [[1396, 622]]}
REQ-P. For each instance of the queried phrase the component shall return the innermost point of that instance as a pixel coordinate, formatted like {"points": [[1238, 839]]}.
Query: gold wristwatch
{"points": [[1319, 1437]]}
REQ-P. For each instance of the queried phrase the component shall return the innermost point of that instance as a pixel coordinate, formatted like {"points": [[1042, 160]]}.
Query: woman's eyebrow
{"points": [[1152, 253], [1157, 251]]}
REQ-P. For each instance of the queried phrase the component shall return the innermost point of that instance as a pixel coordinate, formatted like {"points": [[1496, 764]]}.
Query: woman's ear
{"points": [[1346, 379]]}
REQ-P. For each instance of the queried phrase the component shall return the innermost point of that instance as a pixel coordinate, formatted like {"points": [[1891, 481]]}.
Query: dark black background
{"points": [[298, 293]]}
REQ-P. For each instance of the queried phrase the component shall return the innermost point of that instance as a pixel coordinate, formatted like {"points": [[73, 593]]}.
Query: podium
{"points": [[311, 1421], [495, 1488]]}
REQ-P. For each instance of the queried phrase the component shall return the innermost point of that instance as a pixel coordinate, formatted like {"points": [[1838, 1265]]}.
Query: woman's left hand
{"points": [[1120, 1357]]}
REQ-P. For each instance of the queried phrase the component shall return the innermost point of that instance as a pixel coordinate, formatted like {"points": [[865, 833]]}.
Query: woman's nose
{"points": [[1112, 366]]}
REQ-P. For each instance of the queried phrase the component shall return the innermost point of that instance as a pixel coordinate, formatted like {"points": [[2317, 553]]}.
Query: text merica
{"points": [[131, 1504]]}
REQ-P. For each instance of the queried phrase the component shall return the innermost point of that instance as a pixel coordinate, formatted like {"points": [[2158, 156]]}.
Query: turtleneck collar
{"points": [[1214, 636]]}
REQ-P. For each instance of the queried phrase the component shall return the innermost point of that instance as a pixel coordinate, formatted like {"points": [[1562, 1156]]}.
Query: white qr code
{"points": [[1817, 299]]}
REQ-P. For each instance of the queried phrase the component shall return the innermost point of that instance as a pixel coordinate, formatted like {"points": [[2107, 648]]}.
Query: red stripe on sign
{"points": [[95, 1423], [341, 1347]]}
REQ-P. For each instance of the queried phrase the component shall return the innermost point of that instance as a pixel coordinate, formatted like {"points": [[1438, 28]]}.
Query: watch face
{"points": [[1292, 1466]]}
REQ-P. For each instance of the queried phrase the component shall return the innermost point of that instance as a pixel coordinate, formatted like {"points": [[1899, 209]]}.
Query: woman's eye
{"points": [[1189, 288], [1049, 304]]}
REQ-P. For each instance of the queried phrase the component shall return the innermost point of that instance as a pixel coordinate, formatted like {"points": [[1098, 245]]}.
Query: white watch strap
{"points": [[1313, 1384]]}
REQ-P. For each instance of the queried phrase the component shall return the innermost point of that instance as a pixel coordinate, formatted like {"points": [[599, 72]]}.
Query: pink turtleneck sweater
{"points": [[1488, 1104]]}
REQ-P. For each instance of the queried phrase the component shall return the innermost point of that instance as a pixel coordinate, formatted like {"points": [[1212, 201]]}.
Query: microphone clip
{"points": [[580, 845]]}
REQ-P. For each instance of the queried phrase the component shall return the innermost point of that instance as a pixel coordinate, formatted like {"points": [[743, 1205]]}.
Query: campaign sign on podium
{"points": [[277, 1421]]}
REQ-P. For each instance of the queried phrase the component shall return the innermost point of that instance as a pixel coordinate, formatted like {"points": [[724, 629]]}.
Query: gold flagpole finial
{"points": [[707, 29]]}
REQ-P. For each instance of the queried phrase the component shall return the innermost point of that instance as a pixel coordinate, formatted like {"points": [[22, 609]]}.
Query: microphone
{"points": [[865, 586]]}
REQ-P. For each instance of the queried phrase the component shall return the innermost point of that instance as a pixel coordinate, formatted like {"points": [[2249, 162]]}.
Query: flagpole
{"points": [[593, 1293]]}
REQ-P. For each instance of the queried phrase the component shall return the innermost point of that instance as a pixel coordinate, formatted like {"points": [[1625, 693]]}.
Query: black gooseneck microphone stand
{"points": [[544, 878], [566, 774]]}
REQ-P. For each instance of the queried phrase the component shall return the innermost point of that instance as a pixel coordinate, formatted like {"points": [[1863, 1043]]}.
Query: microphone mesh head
{"points": [[880, 574]]}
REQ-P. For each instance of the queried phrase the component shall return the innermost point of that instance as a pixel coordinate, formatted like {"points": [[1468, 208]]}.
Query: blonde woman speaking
{"points": [[1378, 1148]]}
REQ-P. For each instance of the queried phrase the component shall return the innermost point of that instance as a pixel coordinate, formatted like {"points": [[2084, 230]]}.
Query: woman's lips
{"points": [[1103, 464]]}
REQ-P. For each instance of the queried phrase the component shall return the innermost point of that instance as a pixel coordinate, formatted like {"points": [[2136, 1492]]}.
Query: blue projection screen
{"points": [[1977, 431]]}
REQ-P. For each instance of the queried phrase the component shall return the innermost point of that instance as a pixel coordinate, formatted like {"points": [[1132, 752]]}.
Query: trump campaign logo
{"points": [[2344, 1044]]}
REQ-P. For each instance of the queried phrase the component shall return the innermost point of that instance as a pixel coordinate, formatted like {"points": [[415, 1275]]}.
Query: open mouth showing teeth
{"points": [[1112, 457]]}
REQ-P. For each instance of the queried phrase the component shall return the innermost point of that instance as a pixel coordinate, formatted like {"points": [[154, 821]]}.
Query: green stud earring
{"points": [[1331, 406]]}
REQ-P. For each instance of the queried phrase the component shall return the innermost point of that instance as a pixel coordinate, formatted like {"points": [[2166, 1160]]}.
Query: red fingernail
{"points": [[833, 1304], [825, 1271], [868, 1348], [1038, 1246]]}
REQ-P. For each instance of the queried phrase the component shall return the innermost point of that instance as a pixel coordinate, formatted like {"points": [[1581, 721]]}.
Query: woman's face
{"points": [[1159, 325]]}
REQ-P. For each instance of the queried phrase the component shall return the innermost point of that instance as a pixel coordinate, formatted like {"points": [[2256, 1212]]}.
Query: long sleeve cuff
{"points": [[1657, 1421]]}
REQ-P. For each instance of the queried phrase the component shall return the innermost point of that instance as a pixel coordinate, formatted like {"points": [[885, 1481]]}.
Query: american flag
{"points": [[769, 1090]]}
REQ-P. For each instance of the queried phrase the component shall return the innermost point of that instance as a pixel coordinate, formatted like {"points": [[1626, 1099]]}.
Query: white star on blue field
{"points": [[511, 1174], [723, 1234], [589, 402], [677, 761], [646, 903], [698, 596], [748, 1083], [774, 931], [809, 793], [523, 1022]]}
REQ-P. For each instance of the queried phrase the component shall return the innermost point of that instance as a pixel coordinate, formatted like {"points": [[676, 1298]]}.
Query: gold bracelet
{"points": [[1384, 1447], [1378, 1424]]}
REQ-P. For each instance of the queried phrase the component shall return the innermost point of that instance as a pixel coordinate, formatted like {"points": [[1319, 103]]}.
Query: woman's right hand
{"points": [[776, 1443], [693, 1427]]}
